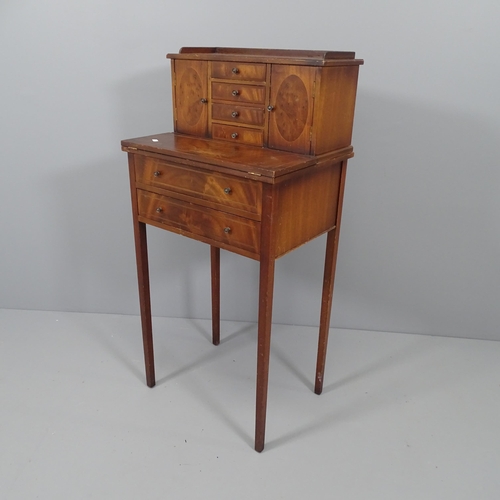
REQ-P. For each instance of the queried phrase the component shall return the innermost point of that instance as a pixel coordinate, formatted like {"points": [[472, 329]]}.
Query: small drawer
{"points": [[238, 71], [254, 137], [194, 220], [238, 114], [224, 190], [238, 92]]}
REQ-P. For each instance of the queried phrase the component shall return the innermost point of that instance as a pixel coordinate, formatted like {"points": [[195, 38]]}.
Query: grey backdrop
{"points": [[420, 242]]}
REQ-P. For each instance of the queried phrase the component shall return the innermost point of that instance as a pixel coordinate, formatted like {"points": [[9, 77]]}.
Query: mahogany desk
{"points": [[248, 170]]}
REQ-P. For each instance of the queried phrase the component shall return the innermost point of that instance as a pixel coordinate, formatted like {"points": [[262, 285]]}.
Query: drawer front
{"points": [[233, 133], [238, 92], [238, 114], [195, 220], [238, 71], [224, 190]]}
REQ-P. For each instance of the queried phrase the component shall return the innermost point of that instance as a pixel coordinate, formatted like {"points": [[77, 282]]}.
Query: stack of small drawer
{"points": [[238, 97]]}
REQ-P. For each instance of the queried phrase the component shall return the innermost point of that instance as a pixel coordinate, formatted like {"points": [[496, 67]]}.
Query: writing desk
{"points": [[260, 200]]}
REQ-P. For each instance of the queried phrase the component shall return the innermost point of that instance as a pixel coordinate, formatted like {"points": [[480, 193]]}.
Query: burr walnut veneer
{"points": [[256, 165]]}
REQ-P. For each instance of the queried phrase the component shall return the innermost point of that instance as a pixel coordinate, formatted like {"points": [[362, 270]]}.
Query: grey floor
{"points": [[402, 416]]}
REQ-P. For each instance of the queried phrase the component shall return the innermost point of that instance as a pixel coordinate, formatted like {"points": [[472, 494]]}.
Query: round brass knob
{"points": [[159, 210], [234, 135], [204, 100], [227, 190], [157, 173], [235, 114], [235, 71], [227, 230], [270, 108], [235, 93]]}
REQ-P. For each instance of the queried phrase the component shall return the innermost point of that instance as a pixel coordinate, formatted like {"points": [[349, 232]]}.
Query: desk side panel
{"points": [[307, 206]]}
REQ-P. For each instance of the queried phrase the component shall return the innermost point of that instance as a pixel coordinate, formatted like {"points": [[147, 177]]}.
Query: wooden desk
{"points": [[254, 200]]}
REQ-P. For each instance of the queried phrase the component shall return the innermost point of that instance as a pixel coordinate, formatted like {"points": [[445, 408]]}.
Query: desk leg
{"points": [[264, 348], [332, 245], [215, 269], [141, 251], [141, 255], [326, 307], [266, 288]]}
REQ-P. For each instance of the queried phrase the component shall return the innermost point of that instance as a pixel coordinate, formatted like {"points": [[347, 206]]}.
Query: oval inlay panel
{"points": [[292, 108], [190, 94]]}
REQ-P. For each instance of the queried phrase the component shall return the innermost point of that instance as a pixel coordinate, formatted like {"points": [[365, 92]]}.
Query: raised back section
{"points": [[292, 100]]}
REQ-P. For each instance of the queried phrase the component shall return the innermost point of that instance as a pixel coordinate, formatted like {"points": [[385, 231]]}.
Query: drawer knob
{"points": [[204, 100], [157, 173], [227, 190], [234, 135], [235, 114], [227, 230], [159, 210], [270, 108], [235, 93], [235, 71]]}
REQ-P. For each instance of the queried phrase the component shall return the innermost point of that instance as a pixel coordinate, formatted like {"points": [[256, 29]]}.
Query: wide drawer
{"points": [[238, 92], [233, 133], [238, 114], [194, 220], [239, 71], [224, 190]]}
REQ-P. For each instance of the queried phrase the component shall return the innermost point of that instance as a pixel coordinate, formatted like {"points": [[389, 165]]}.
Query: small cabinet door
{"points": [[291, 102], [190, 89]]}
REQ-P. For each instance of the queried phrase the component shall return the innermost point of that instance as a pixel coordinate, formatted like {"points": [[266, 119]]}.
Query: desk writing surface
{"points": [[264, 162]]}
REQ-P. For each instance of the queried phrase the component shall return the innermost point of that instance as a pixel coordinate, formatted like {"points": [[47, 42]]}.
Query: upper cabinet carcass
{"points": [[291, 100]]}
